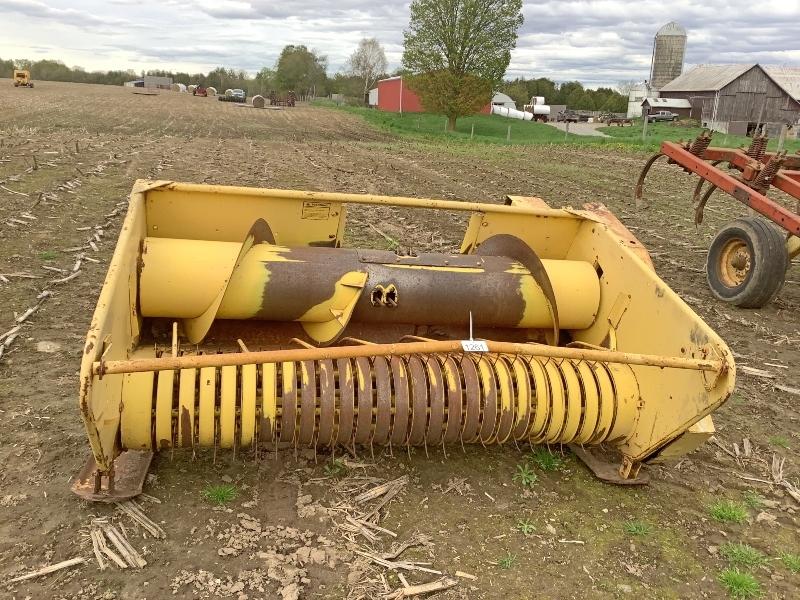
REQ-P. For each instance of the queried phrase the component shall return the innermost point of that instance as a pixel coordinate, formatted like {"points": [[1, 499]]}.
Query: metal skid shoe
{"points": [[122, 482], [604, 468]]}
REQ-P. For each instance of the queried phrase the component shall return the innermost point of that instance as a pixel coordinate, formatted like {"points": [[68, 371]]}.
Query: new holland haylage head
{"points": [[234, 318]]}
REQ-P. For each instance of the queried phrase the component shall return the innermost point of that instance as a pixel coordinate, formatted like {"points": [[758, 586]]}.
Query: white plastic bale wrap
{"points": [[511, 113]]}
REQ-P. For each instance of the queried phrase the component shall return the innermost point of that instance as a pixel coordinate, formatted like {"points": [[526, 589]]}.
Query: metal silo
{"points": [[669, 48]]}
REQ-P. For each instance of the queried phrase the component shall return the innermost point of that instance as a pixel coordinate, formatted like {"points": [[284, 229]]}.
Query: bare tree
{"points": [[625, 87], [368, 62]]}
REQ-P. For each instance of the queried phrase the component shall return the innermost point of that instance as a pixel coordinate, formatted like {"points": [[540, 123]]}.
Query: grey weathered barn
{"points": [[737, 98]]}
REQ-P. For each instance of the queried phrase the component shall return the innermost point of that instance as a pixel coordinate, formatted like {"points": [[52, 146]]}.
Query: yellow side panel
{"points": [[214, 213]]}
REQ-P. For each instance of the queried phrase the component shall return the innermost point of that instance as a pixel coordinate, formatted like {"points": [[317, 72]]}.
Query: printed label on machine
{"points": [[474, 346], [316, 211]]}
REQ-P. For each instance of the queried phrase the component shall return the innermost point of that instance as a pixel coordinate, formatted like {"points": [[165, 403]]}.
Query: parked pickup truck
{"points": [[661, 115], [570, 116]]}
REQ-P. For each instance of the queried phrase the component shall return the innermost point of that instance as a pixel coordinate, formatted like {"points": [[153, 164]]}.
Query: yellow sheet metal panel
{"points": [[248, 404], [227, 407], [656, 321], [137, 411], [186, 400], [110, 335], [694, 437], [548, 236], [217, 213]]}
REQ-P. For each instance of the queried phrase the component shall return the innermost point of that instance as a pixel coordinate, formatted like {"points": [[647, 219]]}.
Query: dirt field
{"points": [[582, 539]]}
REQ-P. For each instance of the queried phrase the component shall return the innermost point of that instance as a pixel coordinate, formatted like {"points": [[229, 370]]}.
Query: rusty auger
{"points": [[287, 340]]}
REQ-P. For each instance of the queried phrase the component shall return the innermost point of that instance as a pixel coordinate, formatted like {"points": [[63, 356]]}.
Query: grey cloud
{"points": [[71, 16], [597, 42]]}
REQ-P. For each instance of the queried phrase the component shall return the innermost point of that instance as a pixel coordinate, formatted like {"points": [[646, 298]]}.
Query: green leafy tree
{"points": [[457, 52], [301, 70]]}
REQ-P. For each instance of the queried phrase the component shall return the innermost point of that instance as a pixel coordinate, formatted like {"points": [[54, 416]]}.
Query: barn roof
{"points": [[667, 103], [786, 77], [705, 78], [712, 78]]}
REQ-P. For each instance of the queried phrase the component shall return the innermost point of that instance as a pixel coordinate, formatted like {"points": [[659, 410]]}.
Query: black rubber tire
{"points": [[769, 260]]}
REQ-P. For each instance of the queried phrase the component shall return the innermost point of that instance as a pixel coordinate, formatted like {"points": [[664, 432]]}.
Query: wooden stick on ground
{"points": [[135, 512], [424, 588], [97, 552], [49, 569]]}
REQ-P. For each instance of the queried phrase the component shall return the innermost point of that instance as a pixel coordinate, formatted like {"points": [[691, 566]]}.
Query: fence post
{"points": [[782, 137], [508, 134], [445, 125], [644, 126], [472, 132], [566, 130]]}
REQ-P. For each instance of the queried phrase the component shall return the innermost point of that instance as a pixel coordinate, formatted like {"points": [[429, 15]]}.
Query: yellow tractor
{"points": [[22, 78], [235, 318]]}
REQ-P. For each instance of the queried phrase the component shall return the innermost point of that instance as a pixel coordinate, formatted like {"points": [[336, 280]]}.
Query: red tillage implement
{"points": [[748, 258]]}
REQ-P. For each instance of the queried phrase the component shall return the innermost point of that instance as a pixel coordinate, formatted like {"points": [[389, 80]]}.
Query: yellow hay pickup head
{"points": [[234, 318]]}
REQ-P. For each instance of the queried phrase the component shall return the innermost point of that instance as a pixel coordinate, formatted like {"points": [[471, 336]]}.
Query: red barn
{"points": [[394, 96]]}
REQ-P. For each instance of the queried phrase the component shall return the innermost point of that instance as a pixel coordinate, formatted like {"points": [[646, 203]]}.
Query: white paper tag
{"points": [[474, 346]]}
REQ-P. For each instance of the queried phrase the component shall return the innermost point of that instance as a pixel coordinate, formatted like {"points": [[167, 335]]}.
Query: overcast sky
{"points": [[598, 43]]}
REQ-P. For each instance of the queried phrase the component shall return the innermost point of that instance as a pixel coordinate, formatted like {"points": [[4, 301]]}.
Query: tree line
{"points": [[454, 82]]}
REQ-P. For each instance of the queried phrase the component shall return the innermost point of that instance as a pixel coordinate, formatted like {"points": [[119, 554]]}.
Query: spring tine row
{"points": [[402, 401]]}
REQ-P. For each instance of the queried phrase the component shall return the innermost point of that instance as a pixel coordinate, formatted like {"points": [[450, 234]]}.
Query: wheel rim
{"points": [[735, 262]]}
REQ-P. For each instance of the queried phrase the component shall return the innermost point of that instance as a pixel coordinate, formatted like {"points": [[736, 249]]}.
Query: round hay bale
{"points": [[229, 92], [211, 91], [259, 102], [175, 87]]}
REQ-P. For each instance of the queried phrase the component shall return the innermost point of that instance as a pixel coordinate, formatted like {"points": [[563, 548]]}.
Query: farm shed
{"points": [[499, 99], [152, 81], [393, 95], [134, 83], [736, 98], [680, 106]]}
